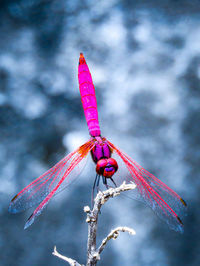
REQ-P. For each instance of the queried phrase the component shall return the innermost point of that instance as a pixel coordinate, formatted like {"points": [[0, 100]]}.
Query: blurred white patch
{"points": [[54, 81], [7, 173], [101, 7], [26, 100], [22, 63], [73, 140], [3, 99], [35, 106], [99, 74], [198, 71], [142, 32], [112, 32], [7, 62]]}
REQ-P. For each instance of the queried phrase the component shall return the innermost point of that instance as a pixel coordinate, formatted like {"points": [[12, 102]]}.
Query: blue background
{"points": [[144, 58]]}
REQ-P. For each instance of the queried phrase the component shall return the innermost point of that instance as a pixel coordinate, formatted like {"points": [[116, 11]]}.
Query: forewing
{"points": [[50, 183], [165, 202]]}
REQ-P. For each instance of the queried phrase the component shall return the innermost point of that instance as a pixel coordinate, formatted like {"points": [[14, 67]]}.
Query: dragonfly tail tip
{"points": [[81, 59]]}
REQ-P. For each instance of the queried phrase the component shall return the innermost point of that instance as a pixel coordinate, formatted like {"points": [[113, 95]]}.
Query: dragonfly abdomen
{"points": [[88, 97]]}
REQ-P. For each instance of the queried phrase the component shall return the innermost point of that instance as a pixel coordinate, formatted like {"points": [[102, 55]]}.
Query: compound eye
{"points": [[101, 164], [112, 162], [110, 168]]}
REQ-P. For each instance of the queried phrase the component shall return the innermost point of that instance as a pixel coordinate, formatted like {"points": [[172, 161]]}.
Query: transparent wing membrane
{"points": [[50, 183], [165, 202]]}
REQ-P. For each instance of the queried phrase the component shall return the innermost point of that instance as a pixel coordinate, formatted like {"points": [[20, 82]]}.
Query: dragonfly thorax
{"points": [[101, 150], [101, 155], [106, 167]]}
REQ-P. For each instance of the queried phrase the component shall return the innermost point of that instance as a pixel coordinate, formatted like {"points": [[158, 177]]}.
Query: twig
{"points": [[114, 234], [93, 254], [92, 219], [70, 261]]}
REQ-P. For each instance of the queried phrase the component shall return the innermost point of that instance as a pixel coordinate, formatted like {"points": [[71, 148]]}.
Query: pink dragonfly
{"points": [[166, 203]]}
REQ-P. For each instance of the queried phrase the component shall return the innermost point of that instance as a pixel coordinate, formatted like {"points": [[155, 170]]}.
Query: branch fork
{"points": [[93, 253]]}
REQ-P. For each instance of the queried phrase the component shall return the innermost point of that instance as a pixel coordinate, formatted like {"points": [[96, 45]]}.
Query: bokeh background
{"points": [[144, 57]]}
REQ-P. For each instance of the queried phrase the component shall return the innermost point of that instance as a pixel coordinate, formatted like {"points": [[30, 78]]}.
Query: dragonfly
{"points": [[112, 165]]}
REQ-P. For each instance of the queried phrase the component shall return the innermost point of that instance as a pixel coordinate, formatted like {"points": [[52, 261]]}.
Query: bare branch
{"points": [[92, 219], [93, 254], [113, 235], [70, 261]]}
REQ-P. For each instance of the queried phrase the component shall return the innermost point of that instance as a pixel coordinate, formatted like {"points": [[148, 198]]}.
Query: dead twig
{"points": [[70, 261], [93, 253], [113, 235]]}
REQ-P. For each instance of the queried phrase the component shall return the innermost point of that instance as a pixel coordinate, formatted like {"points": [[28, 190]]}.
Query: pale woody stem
{"points": [[93, 254]]}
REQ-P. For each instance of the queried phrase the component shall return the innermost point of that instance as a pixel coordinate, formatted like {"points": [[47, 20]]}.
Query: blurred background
{"points": [[144, 57]]}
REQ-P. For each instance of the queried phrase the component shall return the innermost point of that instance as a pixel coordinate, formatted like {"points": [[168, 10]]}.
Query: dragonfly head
{"points": [[106, 167]]}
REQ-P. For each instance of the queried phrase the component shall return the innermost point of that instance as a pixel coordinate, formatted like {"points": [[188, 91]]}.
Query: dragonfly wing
{"points": [[165, 202], [51, 182]]}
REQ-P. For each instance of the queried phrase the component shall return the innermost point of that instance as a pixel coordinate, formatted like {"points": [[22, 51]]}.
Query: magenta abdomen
{"points": [[88, 97]]}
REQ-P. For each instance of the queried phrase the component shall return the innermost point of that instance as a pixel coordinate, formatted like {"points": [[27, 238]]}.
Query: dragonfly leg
{"points": [[93, 188], [113, 181], [105, 181], [98, 179]]}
